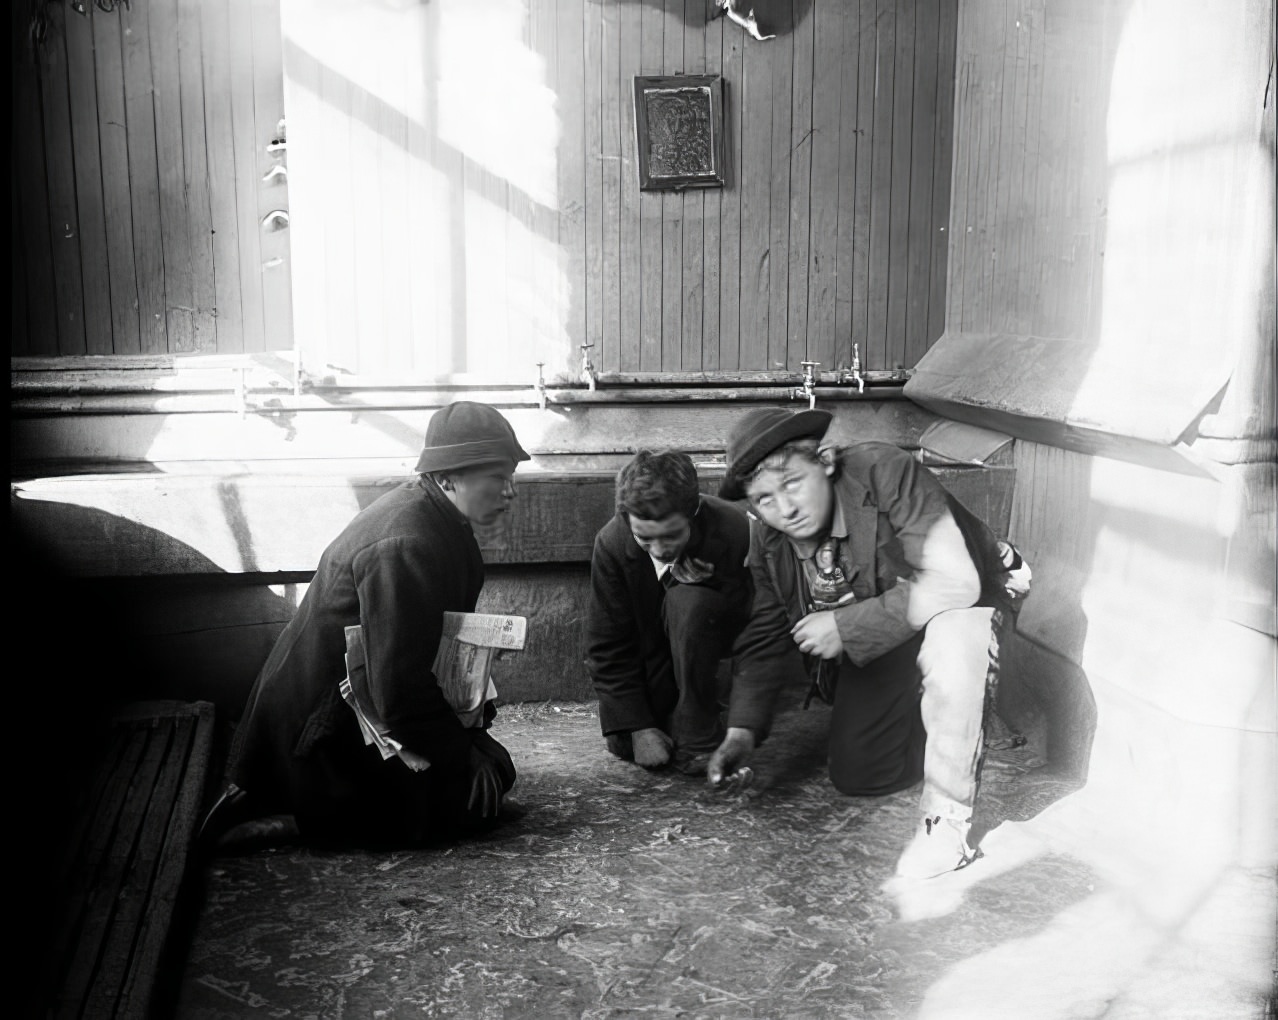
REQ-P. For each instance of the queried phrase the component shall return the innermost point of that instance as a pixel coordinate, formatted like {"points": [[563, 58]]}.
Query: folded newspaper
{"points": [[467, 648]]}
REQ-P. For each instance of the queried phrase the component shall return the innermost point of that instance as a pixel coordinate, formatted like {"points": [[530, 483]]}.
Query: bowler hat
{"points": [[466, 434], [759, 433]]}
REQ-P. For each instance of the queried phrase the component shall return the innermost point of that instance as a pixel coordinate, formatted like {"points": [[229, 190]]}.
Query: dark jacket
{"points": [[623, 625], [396, 568], [890, 505]]}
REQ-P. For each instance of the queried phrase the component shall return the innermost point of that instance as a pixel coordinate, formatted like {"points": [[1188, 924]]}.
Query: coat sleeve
{"points": [[614, 657], [940, 574], [403, 586], [765, 656]]}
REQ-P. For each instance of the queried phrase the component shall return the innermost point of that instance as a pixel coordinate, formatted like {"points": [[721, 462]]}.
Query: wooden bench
{"points": [[123, 866]]}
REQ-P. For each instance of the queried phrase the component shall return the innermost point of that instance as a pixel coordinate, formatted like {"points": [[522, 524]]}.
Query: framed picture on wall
{"points": [[679, 131]]}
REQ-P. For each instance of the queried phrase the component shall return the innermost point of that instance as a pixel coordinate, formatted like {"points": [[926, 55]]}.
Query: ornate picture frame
{"points": [[679, 131]]}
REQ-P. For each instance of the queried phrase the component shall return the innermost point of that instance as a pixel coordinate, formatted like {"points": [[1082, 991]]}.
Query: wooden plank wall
{"points": [[423, 254], [832, 228], [138, 154], [833, 225], [1032, 172]]}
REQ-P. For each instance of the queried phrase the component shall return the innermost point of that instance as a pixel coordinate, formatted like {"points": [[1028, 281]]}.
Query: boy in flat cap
{"points": [[892, 594], [669, 590], [395, 570]]}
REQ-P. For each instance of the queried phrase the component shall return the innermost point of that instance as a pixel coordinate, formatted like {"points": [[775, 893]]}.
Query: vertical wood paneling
{"points": [[692, 324], [393, 159], [220, 134], [850, 133], [781, 50], [592, 114], [943, 158], [827, 98], [630, 233], [881, 181], [756, 200], [60, 166], [801, 193], [144, 178], [574, 156], [113, 144], [1027, 268], [712, 225], [272, 193], [18, 332], [248, 157], [899, 202], [652, 60], [867, 95], [31, 205], [612, 182], [426, 260], [336, 173], [195, 168], [730, 198], [89, 207], [672, 208], [364, 258], [922, 164], [549, 272], [179, 295]]}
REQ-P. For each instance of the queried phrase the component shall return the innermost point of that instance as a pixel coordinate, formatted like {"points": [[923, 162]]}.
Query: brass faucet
{"points": [[808, 389], [587, 369], [541, 385], [855, 371]]}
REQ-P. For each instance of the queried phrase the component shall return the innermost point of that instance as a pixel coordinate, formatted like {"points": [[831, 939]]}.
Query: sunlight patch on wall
{"points": [[370, 45], [494, 104], [1187, 213]]}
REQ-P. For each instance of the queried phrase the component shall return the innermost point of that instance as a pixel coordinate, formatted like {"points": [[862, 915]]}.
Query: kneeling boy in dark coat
{"points": [[669, 590], [397, 568]]}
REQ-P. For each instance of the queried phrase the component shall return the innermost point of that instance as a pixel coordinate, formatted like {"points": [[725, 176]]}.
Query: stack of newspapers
{"points": [[470, 643]]}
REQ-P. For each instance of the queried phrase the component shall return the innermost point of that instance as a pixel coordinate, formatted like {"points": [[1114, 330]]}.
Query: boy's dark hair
{"points": [[655, 485]]}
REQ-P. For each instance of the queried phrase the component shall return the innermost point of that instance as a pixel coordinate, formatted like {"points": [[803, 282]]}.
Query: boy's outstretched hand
{"points": [[730, 756]]}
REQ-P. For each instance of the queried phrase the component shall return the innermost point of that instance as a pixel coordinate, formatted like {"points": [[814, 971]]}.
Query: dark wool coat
{"points": [[396, 568], [890, 503], [623, 625]]}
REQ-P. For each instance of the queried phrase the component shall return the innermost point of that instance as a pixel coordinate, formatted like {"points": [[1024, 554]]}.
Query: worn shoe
{"points": [[939, 846]]}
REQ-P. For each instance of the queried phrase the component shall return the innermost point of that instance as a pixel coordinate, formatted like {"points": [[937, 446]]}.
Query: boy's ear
{"points": [[826, 455]]}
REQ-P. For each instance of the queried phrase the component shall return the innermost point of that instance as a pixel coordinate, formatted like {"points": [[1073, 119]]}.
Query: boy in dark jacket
{"points": [[669, 590], [893, 594], [395, 570]]}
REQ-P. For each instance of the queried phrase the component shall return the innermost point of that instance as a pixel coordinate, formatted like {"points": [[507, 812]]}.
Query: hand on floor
{"points": [[731, 755], [652, 747]]}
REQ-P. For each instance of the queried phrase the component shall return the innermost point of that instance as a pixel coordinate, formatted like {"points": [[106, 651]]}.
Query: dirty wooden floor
{"points": [[619, 893]]}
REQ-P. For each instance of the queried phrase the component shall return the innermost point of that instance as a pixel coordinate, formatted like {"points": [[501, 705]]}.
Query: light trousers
{"points": [[917, 712]]}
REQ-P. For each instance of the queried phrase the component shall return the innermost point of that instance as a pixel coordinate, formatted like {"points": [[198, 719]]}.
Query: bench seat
{"points": [[123, 866]]}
